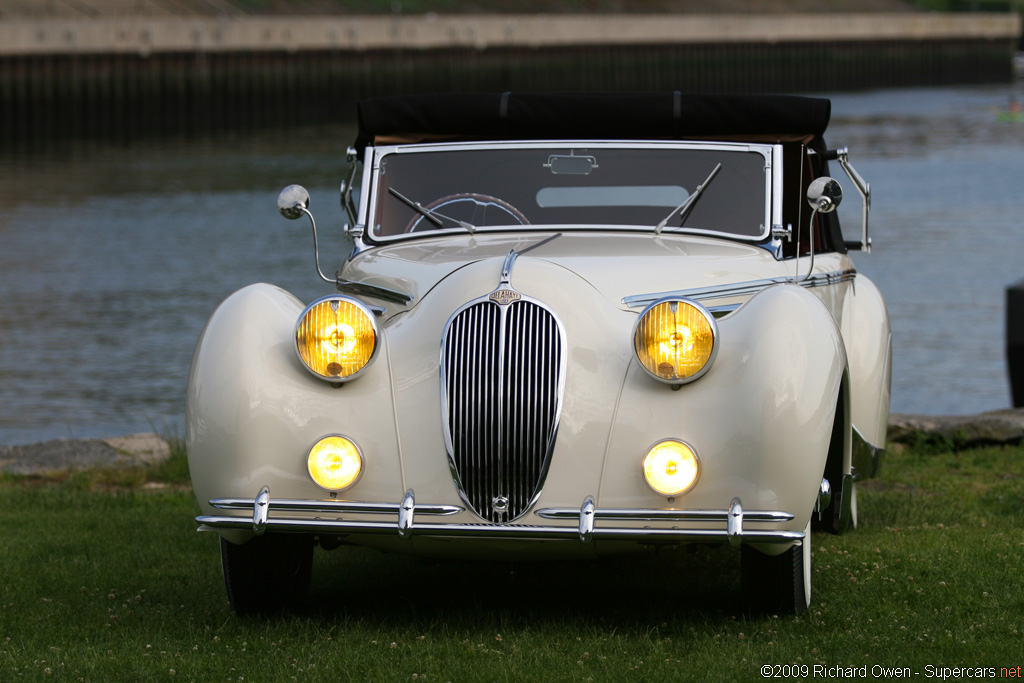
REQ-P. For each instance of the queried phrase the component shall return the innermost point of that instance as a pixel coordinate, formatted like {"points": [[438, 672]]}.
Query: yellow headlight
{"points": [[334, 462], [674, 340], [671, 468], [336, 337]]}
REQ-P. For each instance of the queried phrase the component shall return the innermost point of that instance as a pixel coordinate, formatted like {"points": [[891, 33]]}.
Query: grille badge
{"points": [[503, 297]]}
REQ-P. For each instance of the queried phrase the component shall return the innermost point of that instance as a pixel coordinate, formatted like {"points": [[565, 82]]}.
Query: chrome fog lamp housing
{"points": [[336, 338], [675, 340], [334, 462], [671, 467]]}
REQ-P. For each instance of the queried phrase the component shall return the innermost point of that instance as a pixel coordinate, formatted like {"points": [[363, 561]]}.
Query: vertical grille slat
{"points": [[502, 370]]}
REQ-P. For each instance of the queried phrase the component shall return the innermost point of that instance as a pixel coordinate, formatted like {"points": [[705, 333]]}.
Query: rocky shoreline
{"points": [[997, 427], [71, 454]]}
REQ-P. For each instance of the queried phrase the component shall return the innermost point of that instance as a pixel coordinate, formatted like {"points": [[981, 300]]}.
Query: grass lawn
{"points": [[103, 577]]}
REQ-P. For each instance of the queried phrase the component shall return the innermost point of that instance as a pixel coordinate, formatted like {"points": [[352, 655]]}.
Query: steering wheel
{"points": [[470, 207]]}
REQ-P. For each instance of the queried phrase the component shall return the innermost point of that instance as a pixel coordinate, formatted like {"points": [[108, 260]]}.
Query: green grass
{"points": [[103, 577]]}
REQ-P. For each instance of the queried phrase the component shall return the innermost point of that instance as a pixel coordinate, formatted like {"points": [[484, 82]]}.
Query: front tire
{"points": [[778, 584], [268, 573]]}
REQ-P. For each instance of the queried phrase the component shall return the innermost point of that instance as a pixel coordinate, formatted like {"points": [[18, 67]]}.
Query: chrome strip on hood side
{"points": [[748, 288]]}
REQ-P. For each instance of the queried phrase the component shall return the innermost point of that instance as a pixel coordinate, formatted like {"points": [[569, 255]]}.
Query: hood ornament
{"points": [[505, 294]]}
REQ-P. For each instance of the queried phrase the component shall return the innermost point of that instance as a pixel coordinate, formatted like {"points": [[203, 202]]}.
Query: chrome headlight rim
{"points": [[359, 454], [712, 323], [365, 310]]}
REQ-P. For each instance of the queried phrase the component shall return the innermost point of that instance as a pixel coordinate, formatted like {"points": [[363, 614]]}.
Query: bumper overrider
{"points": [[408, 518]]}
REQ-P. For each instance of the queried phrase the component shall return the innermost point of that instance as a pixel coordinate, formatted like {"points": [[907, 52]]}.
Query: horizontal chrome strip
{"points": [[584, 530], [364, 289], [748, 288], [624, 515], [334, 507], [493, 531]]}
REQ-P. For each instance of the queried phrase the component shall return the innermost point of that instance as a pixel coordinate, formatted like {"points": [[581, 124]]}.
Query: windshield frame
{"points": [[376, 155]]}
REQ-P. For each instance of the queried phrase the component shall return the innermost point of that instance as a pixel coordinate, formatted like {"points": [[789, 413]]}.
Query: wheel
{"points": [[268, 573], [778, 584], [471, 207]]}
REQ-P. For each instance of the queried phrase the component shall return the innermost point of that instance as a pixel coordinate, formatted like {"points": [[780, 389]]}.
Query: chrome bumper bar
{"points": [[272, 515]]}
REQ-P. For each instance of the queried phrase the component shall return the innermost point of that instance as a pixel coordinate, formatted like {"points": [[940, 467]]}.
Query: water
{"points": [[112, 257], [946, 214]]}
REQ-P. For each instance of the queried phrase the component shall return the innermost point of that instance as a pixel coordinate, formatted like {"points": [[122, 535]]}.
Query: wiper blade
{"points": [[691, 201], [431, 215]]}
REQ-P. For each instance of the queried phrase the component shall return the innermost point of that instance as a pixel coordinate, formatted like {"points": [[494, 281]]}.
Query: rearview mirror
{"points": [[293, 201], [561, 164], [824, 194]]}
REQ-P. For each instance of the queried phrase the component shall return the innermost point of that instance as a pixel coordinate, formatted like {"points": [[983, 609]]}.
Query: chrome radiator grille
{"points": [[502, 375]]}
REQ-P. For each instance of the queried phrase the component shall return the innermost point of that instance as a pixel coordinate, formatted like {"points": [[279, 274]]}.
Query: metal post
{"points": [[1015, 341]]}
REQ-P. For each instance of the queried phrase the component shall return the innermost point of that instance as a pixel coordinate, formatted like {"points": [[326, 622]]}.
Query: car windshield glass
{"points": [[471, 189]]}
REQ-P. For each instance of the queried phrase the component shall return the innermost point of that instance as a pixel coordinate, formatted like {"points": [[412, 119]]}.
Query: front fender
{"points": [[760, 420], [253, 411]]}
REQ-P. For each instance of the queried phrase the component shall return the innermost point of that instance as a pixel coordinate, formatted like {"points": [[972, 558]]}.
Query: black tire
{"points": [[268, 573], [778, 584]]}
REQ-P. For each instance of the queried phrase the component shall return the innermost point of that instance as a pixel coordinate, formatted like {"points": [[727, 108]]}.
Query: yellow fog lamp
{"points": [[671, 467], [675, 340], [336, 337], [334, 462]]}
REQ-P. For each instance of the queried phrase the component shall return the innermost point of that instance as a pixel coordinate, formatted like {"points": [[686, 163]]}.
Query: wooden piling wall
{"points": [[126, 91]]}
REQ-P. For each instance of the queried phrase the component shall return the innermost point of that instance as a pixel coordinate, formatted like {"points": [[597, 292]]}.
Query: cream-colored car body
{"points": [[512, 372], [508, 360], [760, 421]]}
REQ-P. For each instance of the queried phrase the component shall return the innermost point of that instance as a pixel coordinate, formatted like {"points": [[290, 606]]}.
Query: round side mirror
{"points": [[824, 194], [293, 201]]}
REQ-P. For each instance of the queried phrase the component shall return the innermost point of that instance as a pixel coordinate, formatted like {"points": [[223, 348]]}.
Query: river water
{"points": [[113, 256]]}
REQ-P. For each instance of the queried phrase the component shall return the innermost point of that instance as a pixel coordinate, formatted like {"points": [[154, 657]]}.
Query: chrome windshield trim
{"points": [[375, 155], [748, 288], [380, 151]]}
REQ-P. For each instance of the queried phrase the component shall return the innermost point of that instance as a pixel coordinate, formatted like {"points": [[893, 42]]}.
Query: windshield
{"points": [[468, 189]]}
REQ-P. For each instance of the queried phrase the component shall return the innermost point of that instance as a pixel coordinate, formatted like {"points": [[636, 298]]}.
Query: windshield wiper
{"points": [[691, 201], [431, 215]]}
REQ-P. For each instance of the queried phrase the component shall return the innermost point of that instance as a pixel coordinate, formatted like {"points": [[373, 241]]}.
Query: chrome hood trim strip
{"points": [[748, 288]]}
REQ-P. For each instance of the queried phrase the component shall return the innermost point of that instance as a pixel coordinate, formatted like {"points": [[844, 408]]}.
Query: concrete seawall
{"points": [[129, 77], [147, 36]]}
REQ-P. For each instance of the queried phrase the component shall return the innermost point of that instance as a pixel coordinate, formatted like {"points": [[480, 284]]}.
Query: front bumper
{"points": [[407, 519]]}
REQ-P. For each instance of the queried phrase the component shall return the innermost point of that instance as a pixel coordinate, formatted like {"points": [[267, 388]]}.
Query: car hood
{"points": [[616, 264]]}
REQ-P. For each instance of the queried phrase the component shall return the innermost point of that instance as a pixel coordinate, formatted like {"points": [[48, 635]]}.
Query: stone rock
{"points": [[70, 454], [997, 427]]}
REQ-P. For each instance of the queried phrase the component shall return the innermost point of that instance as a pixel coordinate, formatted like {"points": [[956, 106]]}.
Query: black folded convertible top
{"points": [[597, 116]]}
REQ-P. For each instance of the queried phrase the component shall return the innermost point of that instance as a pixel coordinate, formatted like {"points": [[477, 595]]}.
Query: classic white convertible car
{"points": [[569, 325]]}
